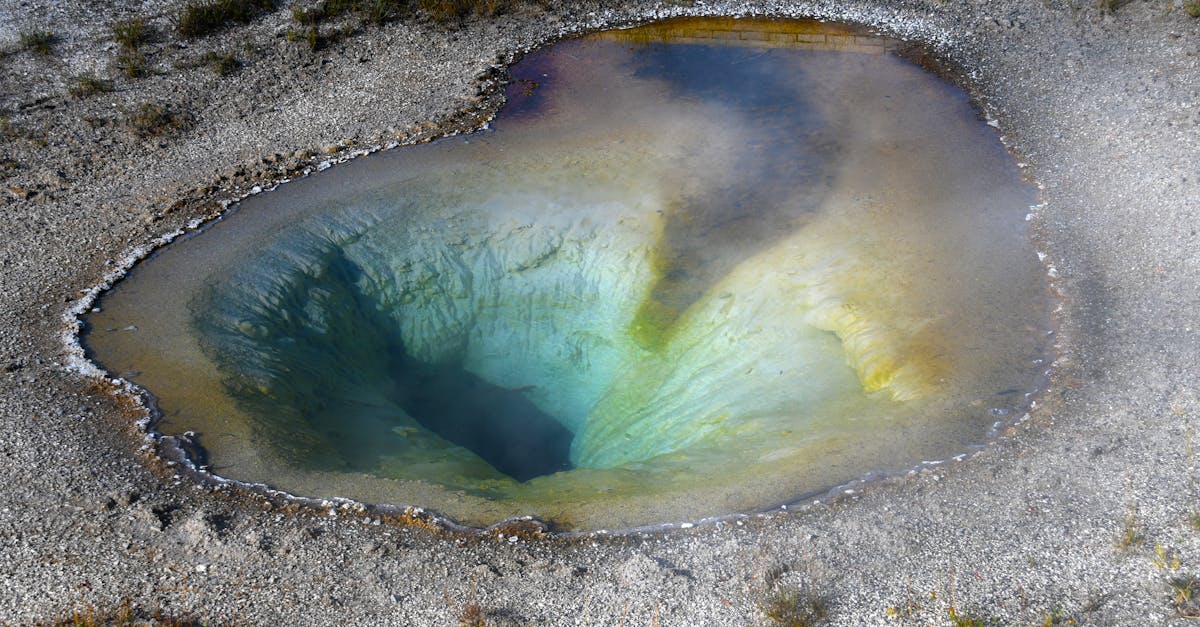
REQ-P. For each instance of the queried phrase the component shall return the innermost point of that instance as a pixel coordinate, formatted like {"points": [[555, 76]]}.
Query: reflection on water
{"points": [[696, 268]]}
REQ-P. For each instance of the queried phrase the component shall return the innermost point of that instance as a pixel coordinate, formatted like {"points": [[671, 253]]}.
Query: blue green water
{"points": [[691, 269]]}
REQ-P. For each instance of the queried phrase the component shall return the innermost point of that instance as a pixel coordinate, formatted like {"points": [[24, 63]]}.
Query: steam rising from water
{"points": [[677, 280]]}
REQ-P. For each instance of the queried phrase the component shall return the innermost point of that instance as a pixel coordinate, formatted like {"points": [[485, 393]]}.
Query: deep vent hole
{"points": [[496, 423]]}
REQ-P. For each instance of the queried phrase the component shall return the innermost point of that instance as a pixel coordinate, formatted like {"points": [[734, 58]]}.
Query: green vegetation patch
{"points": [[221, 63], [1130, 534], [378, 10], [447, 10], [153, 119], [89, 84], [131, 63], [209, 16], [131, 33], [795, 608], [1185, 595], [38, 41], [381, 11]]}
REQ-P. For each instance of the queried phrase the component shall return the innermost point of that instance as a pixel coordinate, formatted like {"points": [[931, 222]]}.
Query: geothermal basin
{"points": [[696, 268]]}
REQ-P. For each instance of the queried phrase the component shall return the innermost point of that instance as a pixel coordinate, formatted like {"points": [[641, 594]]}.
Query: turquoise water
{"points": [[692, 269]]}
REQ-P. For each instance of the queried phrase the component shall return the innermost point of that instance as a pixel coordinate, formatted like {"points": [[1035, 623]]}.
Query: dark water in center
{"points": [[500, 425]]}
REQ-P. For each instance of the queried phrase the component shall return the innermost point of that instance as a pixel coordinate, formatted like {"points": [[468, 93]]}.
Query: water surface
{"points": [[695, 268]]}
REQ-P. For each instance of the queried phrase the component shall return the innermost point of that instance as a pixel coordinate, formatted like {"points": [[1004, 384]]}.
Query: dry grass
{"points": [[795, 608], [368, 11], [445, 10], [123, 616], [455, 10], [1185, 593], [131, 33], [152, 119], [310, 20], [204, 17], [39, 42], [1130, 534], [89, 84], [965, 619], [472, 615], [221, 63], [131, 63]]}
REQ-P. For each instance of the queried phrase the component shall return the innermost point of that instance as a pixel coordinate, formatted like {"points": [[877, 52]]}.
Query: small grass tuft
{"points": [[330, 9], [310, 35], [1185, 593], [448, 11], [1183, 588], [306, 17], [89, 84], [38, 41], [1130, 534], [966, 619], [1192, 8], [221, 63], [125, 615], [10, 131], [204, 17], [132, 63], [472, 615], [1165, 559], [794, 608], [1057, 618], [383, 11], [152, 119], [445, 10], [7, 129], [492, 8], [369, 11], [131, 33], [90, 617], [317, 39]]}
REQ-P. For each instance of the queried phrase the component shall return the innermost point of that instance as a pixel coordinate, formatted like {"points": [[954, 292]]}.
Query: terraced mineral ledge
{"points": [[693, 269]]}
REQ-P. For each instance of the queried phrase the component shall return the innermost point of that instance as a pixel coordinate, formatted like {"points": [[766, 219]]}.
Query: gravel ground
{"points": [[1101, 107]]}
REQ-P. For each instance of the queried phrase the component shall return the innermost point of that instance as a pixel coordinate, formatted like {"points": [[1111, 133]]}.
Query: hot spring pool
{"points": [[696, 268]]}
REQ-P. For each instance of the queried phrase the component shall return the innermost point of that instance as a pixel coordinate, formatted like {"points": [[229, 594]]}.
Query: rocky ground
{"points": [[1083, 511]]}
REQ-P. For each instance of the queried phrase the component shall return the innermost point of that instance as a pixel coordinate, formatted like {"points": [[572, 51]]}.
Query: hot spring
{"points": [[696, 268]]}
